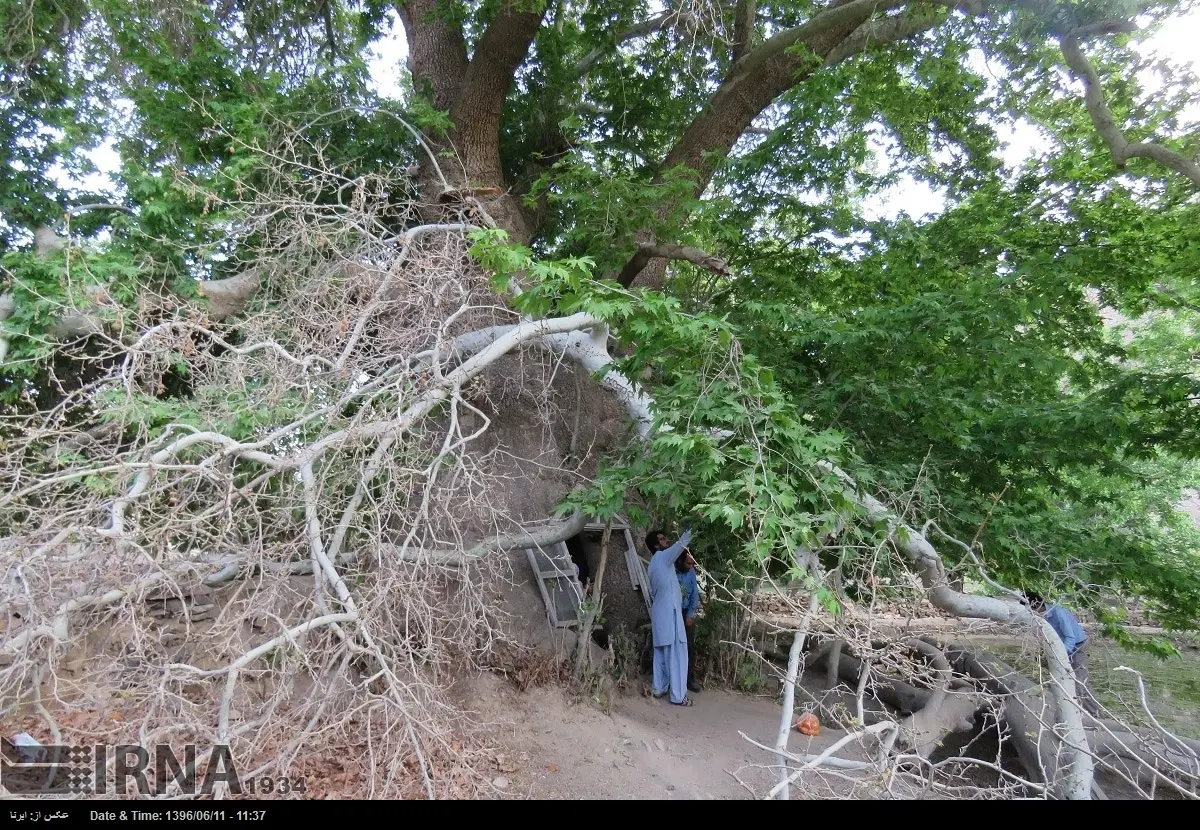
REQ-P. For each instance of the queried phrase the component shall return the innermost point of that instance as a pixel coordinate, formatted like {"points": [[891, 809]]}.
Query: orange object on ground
{"points": [[809, 725]]}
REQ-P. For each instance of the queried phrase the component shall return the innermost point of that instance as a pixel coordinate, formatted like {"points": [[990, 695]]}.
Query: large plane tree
{"points": [[278, 351]]}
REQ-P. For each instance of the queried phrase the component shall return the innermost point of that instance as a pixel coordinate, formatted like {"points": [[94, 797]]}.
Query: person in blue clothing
{"points": [[1074, 640], [689, 590], [669, 635]]}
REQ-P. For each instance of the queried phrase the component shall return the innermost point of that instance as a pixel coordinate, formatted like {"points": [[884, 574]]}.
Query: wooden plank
{"points": [[558, 557], [546, 600], [637, 570], [631, 563], [618, 523]]}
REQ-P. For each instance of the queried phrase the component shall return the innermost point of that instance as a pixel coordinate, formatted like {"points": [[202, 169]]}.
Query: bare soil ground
{"points": [[642, 749]]}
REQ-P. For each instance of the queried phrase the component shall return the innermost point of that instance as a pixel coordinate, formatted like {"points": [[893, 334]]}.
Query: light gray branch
{"points": [[528, 538], [1106, 124], [1077, 783]]}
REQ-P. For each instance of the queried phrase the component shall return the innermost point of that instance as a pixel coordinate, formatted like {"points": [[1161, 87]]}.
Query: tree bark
{"points": [[903, 697], [479, 106], [743, 28], [473, 92], [437, 52], [645, 253], [942, 715], [1024, 710], [757, 79], [1026, 713]]}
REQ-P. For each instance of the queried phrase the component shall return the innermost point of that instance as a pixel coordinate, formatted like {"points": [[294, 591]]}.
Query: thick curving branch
{"points": [[479, 104], [757, 79], [587, 345], [943, 714], [1077, 782], [1106, 124], [827, 21], [647, 252], [642, 29], [590, 351], [880, 32]]}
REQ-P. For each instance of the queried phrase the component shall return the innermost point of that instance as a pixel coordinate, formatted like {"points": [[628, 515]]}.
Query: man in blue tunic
{"points": [[1074, 640], [666, 618], [689, 589]]}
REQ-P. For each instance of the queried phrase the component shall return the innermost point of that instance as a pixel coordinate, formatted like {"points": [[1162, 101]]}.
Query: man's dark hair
{"points": [[652, 539], [1035, 599]]}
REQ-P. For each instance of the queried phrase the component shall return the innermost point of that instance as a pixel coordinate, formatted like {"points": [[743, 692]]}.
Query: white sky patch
{"points": [[387, 60]]}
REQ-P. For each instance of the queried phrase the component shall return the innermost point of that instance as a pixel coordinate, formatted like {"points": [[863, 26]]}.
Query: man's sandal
{"points": [[687, 701]]}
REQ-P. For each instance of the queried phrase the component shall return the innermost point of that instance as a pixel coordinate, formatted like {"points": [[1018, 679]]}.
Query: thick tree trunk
{"points": [[473, 92], [437, 53], [1026, 713], [479, 106]]}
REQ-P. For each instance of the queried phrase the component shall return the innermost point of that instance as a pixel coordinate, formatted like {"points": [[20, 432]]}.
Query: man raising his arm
{"points": [[666, 618]]}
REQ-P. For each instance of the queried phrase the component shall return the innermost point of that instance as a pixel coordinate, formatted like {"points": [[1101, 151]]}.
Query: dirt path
{"points": [[644, 749]]}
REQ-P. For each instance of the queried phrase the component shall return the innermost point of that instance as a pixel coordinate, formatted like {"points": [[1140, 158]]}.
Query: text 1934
{"points": [[266, 785]]}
